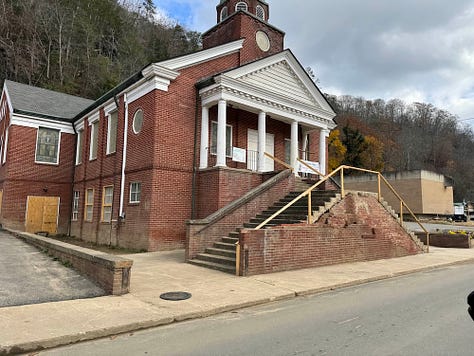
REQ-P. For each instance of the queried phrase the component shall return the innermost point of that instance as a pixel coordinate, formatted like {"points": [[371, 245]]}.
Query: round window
{"points": [[138, 121]]}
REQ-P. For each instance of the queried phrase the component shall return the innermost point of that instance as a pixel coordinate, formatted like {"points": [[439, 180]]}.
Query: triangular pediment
{"points": [[282, 75], [280, 79]]}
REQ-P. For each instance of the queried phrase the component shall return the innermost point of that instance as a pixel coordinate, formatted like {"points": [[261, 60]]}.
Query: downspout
{"points": [[113, 194], [73, 175], [124, 158], [193, 188]]}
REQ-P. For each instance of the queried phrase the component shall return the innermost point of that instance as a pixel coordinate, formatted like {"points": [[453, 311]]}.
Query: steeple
{"points": [[248, 20], [258, 8]]}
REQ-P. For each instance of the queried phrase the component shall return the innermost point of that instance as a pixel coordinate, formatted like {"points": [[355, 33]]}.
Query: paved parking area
{"points": [[29, 276]]}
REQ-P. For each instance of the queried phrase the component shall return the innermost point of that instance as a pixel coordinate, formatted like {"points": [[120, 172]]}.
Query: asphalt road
{"points": [[28, 276], [419, 314]]}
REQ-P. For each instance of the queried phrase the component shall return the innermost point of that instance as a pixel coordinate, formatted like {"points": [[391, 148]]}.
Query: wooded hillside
{"points": [[84, 47], [393, 136]]}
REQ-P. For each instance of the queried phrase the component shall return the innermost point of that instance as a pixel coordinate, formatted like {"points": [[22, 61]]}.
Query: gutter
{"points": [[124, 158]]}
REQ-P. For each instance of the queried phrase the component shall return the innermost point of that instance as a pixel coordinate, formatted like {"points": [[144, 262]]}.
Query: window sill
{"points": [[47, 163]]}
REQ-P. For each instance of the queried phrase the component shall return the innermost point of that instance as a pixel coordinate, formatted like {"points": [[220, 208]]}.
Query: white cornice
{"points": [[260, 99], [109, 106], [202, 56], [156, 69], [294, 65], [79, 125], [158, 83], [93, 117], [5, 93], [35, 122]]}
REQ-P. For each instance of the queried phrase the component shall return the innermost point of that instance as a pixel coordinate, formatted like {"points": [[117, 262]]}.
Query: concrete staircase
{"points": [[221, 256]]}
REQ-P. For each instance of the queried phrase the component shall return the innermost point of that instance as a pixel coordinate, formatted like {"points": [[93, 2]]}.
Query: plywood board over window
{"points": [[42, 214]]}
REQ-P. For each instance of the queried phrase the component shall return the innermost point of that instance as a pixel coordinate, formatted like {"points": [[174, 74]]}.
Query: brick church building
{"points": [[177, 141]]}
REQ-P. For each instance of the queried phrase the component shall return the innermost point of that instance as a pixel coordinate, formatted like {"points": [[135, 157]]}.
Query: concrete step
{"points": [[216, 259], [230, 240], [216, 266], [277, 221], [285, 215], [254, 225], [224, 246], [220, 252], [234, 234]]}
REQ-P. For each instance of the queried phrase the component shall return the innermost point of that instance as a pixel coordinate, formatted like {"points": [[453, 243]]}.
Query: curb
{"points": [[97, 334]]}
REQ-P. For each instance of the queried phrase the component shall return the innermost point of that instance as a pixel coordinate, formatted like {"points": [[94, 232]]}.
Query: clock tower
{"points": [[246, 20]]}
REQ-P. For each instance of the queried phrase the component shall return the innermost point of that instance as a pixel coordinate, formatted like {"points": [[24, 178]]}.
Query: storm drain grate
{"points": [[175, 296]]}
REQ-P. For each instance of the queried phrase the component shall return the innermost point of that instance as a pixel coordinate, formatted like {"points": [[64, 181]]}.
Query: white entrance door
{"points": [[252, 151]]}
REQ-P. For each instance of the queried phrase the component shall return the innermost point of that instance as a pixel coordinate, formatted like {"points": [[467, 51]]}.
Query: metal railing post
{"points": [[342, 182], [379, 188], [237, 258], [310, 208], [401, 212]]}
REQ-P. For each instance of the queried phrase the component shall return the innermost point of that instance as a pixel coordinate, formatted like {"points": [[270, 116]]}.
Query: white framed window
{"points": [[89, 205], [241, 5], [224, 13], [112, 132], [107, 199], [75, 205], [47, 146], [138, 121], [135, 192], [260, 12], [94, 140], [228, 147], [79, 146]]}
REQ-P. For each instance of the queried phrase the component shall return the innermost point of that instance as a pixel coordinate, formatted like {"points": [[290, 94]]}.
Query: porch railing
{"points": [[380, 179]]}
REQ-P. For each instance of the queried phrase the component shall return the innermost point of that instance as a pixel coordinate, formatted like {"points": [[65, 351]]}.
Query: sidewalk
{"points": [[33, 327]]}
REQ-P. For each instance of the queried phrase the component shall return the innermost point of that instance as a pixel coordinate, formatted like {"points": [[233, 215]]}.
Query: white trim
{"points": [[148, 86], [130, 201], [256, 99], [5, 145], [79, 146], [221, 17], [93, 118], [109, 119], [91, 140], [231, 143], [202, 56], [35, 122], [136, 132], [59, 147], [124, 157], [109, 107], [294, 65], [9, 102], [79, 125]]}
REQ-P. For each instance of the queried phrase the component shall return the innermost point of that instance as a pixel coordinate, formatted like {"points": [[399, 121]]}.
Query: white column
{"points": [[324, 133], [221, 133], [294, 144], [262, 139], [204, 152]]}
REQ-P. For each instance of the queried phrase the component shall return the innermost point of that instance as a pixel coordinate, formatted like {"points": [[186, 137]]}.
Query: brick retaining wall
{"points": [[358, 228], [111, 273]]}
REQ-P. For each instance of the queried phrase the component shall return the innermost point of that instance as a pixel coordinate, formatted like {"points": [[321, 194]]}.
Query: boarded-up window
{"points": [[47, 146]]}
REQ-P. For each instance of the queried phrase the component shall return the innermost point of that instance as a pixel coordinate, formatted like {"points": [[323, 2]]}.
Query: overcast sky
{"points": [[415, 50]]}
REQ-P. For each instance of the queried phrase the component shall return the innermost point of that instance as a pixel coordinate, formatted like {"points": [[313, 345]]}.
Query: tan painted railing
{"points": [[340, 170]]}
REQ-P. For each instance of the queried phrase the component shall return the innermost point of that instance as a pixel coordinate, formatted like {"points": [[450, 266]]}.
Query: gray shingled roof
{"points": [[34, 100]]}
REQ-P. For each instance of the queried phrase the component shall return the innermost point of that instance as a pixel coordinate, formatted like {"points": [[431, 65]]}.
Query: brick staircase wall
{"points": [[204, 232], [357, 228]]}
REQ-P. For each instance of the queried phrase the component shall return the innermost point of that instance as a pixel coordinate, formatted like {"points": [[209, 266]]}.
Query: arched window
{"points": [[241, 6], [260, 12], [224, 13]]}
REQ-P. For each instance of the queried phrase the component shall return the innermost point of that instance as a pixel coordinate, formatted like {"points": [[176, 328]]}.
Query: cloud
{"points": [[419, 50]]}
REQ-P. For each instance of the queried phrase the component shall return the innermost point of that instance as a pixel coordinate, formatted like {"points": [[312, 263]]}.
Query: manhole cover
{"points": [[175, 296]]}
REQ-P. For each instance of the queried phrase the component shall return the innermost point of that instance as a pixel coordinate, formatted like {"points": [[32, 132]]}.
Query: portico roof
{"points": [[277, 85]]}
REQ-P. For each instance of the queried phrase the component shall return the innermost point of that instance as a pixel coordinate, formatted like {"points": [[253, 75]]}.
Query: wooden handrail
{"points": [[279, 161], [329, 176]]}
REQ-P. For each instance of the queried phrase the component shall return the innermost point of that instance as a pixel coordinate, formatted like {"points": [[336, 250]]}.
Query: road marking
{"points": [[348, 320]]}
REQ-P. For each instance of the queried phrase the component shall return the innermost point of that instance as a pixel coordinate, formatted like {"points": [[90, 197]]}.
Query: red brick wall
{"points": [[203, 233], [240, 26], [23, 177], [356, 229]]}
